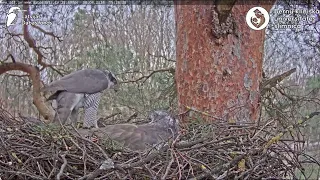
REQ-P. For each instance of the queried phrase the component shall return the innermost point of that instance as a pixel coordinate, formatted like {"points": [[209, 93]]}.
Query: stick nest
{"points": [[202, 151]]}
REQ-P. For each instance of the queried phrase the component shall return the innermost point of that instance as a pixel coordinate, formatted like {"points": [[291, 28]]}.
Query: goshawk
{"points": [[156, 133], [80, 89]]}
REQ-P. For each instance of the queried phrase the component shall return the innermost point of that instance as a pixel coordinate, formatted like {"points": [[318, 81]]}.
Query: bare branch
{"points": [[46, 32], [146, 77], [65, 162], [161, 56], [34, 75]]}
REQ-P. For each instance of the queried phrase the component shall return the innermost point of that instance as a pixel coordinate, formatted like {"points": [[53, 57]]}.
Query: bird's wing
{"points": [[65, 104], [120, 132], [83, 81], [135, 137], [154, 135], [127, 135]]}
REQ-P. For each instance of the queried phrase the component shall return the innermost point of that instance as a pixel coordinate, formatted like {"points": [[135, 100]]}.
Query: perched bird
{"points": [[80, 89], [141, 137]]}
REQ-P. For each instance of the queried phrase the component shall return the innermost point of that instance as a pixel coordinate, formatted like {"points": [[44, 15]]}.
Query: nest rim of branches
{"points": [[219, 150]]}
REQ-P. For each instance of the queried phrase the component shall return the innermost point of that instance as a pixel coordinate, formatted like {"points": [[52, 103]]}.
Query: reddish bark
{"points": [[218, 76], [32, 71], [34, 75]]}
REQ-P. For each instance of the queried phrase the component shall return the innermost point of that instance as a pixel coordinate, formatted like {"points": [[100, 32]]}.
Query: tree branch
{"points": [[46, 32], [31, 42], [272, 82], [145, 77], [63, 166], [161, 56], [34, 75]]}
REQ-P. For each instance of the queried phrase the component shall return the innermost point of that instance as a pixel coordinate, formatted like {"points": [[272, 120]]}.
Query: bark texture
{"points": [[34, 75], [219, 73]]}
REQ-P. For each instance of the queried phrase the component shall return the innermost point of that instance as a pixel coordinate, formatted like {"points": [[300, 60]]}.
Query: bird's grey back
{"points": [[140, 137], [83, 81]]}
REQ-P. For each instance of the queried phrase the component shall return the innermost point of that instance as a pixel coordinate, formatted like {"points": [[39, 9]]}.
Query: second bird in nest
{"points": [[156, 133]]}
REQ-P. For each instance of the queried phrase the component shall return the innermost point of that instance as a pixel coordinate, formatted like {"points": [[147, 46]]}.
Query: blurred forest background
{"points": [[137, 43]]}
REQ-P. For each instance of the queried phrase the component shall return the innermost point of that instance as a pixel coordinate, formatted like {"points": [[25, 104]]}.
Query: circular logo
{"points": [[257, 18]]}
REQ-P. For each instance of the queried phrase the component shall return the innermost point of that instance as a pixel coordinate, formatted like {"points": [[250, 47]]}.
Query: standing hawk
{"points": [[81, 88]]}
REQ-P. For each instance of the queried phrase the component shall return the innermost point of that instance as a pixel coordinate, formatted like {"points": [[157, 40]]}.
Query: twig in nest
{"points": [[106, 165], [134, 115], [63, 166], [168, 166], [201, 155]]}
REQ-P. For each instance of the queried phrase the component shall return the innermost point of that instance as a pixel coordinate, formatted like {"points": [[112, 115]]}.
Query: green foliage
{"points": [[141, 90], [79, 15], [144, 95], [313, 83], [109, 57], [311, 171], [48, 130]]}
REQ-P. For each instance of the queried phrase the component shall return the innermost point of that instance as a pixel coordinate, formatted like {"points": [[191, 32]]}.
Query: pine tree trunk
{"points": [[218, 73]]}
